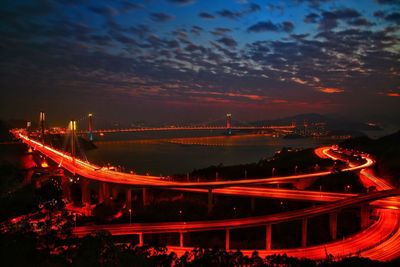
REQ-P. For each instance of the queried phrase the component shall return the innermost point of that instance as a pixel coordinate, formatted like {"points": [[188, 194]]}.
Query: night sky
{"points": [[184, 60]]}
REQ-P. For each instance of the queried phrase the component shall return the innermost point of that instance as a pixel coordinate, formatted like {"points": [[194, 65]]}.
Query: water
{"points": [[171, 153]]}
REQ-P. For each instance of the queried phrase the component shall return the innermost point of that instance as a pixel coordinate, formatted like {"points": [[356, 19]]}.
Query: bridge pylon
{"points": [[72, 128], [42, 119], [229, 123], [90, 126]]}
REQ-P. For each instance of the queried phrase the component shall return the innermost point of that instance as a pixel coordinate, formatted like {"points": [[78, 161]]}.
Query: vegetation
{"points": [[287, 162], [98, 249]]}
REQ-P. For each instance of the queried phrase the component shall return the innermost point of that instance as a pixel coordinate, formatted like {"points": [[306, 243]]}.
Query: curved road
{"points": [[379, 241]]}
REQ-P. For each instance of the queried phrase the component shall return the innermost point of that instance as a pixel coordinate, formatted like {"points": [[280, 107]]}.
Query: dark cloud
{"points": [[227, 41], [263, 26], [329, 19], [126, 5], [388, 2], [181, 2], [379, 14], [160, 17], [254, 7], [196, 30], [287, 26], [206, 15], [311, 18], [229, 14], [314, 3], [139, 30], [220, 31], [393, 17], [360, 22], [104, 10]]}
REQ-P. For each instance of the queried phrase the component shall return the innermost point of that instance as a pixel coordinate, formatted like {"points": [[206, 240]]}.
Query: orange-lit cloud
{"points": [[331, 90], [279, 101], [393, 94]]}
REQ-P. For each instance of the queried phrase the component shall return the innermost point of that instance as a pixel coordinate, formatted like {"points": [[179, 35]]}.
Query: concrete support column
{"points": [[253, 204], [104, 192], [364, 215], [181, 239], [114, 191], [85, 192], [145, 192], [210, 200], [140, 239], [128, 198], [333, 225], [268, 236], [65, 185], [227, 239], [304, 232]]}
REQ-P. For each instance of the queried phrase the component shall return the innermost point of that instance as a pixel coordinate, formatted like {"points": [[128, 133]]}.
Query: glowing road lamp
{"points": [[180, 214], [295, 169], [234, 211], [347, 188], [273, 172], [130, 216]]}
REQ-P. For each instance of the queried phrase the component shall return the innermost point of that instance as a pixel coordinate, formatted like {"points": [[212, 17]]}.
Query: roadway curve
{"points": [[91, 171], [383, 235]]}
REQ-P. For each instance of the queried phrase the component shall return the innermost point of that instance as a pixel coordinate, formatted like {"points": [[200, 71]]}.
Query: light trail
{"points": [[94, 172], [383, 235]]}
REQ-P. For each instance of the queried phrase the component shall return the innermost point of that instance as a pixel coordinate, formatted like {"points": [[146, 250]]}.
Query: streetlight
{"points": [[295, 169], [273, 171], [130, 216]]}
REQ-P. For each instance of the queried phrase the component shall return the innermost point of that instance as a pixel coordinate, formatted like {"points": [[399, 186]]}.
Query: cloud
{"points": [[227, 41], [206, 15], [182, 2], [330, 90], [329, 19], [220, 31], [393, 94], [104, 10], [287, 26], [226, 13], [388, 2], [393, 17], [311, 18], [360, 22], [263, 26], [314, 3], [196, 30], [160, 17]]}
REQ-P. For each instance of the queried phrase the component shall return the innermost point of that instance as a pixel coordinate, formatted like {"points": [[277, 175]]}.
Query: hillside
{"points": [[386, 150]]}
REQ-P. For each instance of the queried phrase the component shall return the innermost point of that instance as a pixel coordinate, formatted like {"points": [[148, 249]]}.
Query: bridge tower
{"points": [[90, 126], [42, 119], [229, 123], [72, 128]]}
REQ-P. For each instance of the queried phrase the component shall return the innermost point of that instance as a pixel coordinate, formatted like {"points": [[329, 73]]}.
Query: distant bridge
{"points": [[285, 128]]}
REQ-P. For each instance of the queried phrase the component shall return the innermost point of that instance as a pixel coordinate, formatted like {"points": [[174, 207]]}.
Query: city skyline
{"points": [[181, 60]]}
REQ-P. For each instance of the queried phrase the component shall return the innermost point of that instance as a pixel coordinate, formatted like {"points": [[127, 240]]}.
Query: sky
{"points": [[196, 60]]}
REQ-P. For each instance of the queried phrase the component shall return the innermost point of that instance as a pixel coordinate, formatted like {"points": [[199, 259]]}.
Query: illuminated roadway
{"points": [[93, 172], [379, 241], [289, 128]]}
